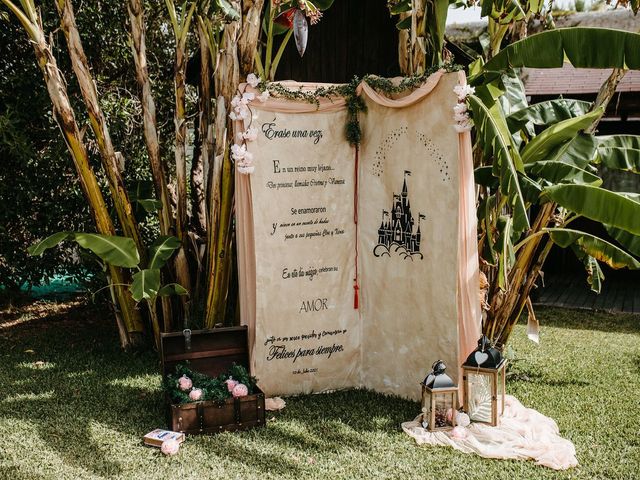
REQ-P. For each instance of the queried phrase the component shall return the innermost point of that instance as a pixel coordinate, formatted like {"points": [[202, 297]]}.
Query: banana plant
{"points": [[423, 22], [122, 252], [537, 170], [288, 18]]}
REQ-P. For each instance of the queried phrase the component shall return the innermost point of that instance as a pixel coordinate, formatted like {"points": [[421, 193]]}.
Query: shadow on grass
{"points": [[316, 425], [586, 320], [14, 473], [66, 376]]}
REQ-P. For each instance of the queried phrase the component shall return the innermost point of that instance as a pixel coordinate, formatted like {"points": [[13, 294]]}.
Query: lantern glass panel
{"points": [[426, 407], [501, 391], [480, 393], [444, 410]]}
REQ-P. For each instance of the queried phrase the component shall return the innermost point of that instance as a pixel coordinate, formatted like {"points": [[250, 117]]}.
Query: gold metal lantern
{"points": [[483, 375], [439, 399]]}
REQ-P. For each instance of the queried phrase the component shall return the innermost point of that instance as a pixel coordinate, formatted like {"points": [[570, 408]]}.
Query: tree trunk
{"points": [[237, 49], [138, 44], [204, 149], [251, 27], [181, 30], [506, 306], [99, 126], [605, 94], [150, 129]]}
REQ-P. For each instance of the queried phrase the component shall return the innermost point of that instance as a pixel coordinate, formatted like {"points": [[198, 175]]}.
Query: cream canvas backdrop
{"points": [[409, 309], [307, 333], [415, 307]]}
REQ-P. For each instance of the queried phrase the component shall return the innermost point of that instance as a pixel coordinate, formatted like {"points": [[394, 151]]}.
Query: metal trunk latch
{"points": [[187, 338]]}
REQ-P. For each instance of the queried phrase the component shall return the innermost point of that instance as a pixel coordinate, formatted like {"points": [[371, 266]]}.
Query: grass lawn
{"points": [[72, 405]]}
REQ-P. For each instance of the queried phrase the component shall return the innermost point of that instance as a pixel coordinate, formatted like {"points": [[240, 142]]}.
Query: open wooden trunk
{"points": [[211, 352]]}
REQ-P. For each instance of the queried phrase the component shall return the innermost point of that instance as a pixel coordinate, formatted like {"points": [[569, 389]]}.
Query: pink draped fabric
{"points": [[522, 434]]}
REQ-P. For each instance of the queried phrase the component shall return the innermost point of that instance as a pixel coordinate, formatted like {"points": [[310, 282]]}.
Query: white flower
{"points": [[460, 108], [235, 101], [241, 112], [464, 126], [463, 91], [251, 135], [461, 117], [246, 169], [264, 96], [253, 80], [247, 97], [248, 157], [238, 152]]}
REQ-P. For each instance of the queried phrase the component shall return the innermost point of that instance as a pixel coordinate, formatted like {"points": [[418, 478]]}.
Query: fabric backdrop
{"points": [[305, 223]]}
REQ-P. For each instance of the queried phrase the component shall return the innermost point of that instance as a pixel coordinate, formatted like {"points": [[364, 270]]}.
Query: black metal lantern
{"points": [[439, 399], [483, 374]]}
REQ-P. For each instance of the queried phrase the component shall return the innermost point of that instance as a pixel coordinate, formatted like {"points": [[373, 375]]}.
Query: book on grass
{"points": [[157, 436]]}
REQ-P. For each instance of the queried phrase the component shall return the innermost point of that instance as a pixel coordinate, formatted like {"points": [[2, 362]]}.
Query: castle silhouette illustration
{"points": [[397, 224]]}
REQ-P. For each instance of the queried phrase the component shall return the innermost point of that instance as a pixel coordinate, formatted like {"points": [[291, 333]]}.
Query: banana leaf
{"points": [[112, 249], [227, 9], [161, 250], [531, 189], [172, 289], [484, 176], [507, 254], [400, 7], [620, 152], [593, 246], [604, 206], [628, 240], [559, 172], [541, 146], [595, 276], [585, 47], [546, 114], [51, 241], [145, 284], [495, 140], [579, 151], [514, 98]]}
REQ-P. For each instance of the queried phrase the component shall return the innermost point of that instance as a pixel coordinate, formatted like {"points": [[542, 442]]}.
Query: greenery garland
{"points": [[213, 388], [355, 104]]}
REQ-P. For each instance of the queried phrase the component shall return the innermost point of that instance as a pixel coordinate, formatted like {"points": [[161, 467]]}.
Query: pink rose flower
{"points": [[240, 390], [185, 383], [449, 415], [231, 384], [253, 80], [195, 394], [170, 447]]}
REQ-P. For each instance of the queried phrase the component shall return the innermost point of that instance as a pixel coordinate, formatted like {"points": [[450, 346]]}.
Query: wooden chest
{"points": [[211, 352]]}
